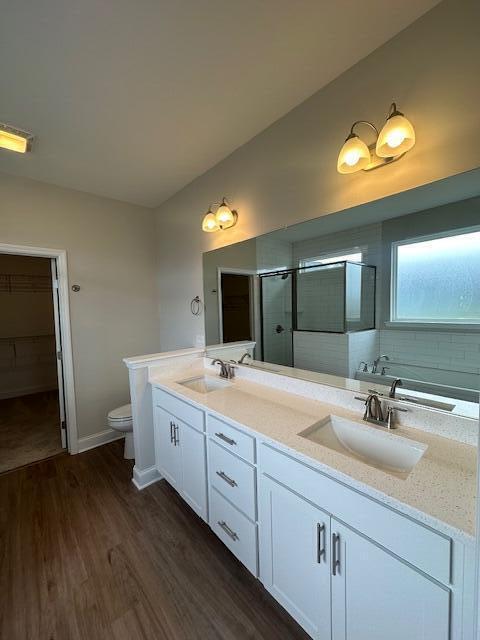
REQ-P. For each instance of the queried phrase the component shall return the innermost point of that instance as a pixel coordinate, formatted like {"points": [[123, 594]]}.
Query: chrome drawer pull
{"points": [[228, 480], [223, 437], [172, 426], [335, 554], [176, 439], [228, 531], [321, 548]]}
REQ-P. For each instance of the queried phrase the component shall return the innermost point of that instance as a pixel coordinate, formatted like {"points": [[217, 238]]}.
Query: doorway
{"points": [[32, 400], [236, 307]]}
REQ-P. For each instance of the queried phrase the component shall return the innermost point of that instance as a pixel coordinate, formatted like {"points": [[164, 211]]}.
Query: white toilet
{"points": [[120, 419]]}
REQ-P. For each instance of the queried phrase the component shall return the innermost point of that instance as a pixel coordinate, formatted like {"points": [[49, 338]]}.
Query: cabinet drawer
{"points": [[231, 438], [423, 547], [182, 410], [233, 478], [234, 530]]}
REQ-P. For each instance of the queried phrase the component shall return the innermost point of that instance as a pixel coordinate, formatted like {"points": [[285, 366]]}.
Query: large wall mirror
{"points": [[384, 292]]}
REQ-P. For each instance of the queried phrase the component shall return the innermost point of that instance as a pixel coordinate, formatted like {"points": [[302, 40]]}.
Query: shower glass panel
{"points": [[359, 297], [321, 298], [336, 298], [277, 316]]}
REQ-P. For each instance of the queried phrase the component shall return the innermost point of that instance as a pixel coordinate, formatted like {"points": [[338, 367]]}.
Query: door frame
{"points": [[60, 256], [253, 297]]}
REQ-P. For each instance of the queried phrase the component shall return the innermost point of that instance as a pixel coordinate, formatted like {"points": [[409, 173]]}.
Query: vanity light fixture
{"points": [[15, 139], [394, 140], [223, 218], [397, 135], [209, 223]]}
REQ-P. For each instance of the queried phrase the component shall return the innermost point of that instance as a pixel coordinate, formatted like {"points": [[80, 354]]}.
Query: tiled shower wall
{"points": [[435, 354], [335, 353]]}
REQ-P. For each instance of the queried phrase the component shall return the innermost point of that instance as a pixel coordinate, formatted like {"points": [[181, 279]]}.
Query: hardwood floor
{"points": [[29, 429], [85, 556]]}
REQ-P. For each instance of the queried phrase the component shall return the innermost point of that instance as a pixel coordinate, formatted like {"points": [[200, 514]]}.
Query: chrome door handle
{"points": [[321, 546], [228, 531], [228, 480], [171, 431], [223, 437], [335, 553]]}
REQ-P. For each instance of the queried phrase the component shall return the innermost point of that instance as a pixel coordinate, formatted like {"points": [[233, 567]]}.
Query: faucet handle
{"points": [[230, 369]]}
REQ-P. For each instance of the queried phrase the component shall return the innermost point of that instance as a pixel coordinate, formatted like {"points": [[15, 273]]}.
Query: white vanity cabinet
{"points": [[294, 562], [338, 584], [346, 567], [233, 490], [167, 452], [180, 454], [375, 595]]}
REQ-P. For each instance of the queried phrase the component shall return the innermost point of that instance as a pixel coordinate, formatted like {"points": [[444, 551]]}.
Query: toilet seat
{"points": [[121, 413], [121, 420]]}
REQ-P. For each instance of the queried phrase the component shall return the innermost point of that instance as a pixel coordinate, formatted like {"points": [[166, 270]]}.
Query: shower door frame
{"points": [[60, 257], [293, 273]]}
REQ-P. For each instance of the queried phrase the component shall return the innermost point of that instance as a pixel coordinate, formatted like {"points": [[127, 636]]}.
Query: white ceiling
{"points": [[132, 99]]}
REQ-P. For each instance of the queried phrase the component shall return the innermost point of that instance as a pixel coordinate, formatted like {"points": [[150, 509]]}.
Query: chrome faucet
{"points": [[396, 383], [373, 408], [374, 412], [245, 355], [376, 361], [227, 370]]}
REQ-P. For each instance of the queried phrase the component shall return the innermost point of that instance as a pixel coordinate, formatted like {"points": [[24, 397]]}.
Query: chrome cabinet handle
{"points": [[223, 437], [228, 480], [176, 439], [171, 431], [335, 553], [321, 546], [228, 531]]}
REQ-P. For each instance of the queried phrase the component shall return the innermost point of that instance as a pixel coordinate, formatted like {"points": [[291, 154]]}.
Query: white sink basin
{"points": [[204, 384], [377, 448]]}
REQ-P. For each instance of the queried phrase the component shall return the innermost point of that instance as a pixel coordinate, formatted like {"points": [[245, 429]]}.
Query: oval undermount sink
{"points": [[381, 449], [204, 384]]}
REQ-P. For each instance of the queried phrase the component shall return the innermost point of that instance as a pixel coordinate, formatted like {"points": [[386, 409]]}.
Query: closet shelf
{"points": [[17, 283]]}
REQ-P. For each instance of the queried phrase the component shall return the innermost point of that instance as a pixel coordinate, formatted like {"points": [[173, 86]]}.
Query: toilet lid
{"points": [[122, 413]]}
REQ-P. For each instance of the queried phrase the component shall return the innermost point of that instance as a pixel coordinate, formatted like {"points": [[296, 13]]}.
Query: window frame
{"points": [[419, 322], [341, 255]]}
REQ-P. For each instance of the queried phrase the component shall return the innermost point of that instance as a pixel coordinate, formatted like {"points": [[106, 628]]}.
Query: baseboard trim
{"points": [[143, 478], [97, 439]]}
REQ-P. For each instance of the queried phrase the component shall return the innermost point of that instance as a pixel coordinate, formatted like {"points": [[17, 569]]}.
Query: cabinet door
{"points": [[194, 468], [377, 596], [294, 558], [167, 453]]}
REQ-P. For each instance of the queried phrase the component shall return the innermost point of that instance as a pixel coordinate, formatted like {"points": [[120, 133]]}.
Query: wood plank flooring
{"points": [[85, 556], [29, 429]]}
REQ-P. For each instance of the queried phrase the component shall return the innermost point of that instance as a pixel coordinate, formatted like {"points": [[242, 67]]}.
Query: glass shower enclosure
{"points": [[277, 317], [331, 298]]}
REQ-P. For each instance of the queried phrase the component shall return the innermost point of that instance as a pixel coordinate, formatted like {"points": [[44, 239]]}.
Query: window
{"points": [[330, 258], [436, 279]]}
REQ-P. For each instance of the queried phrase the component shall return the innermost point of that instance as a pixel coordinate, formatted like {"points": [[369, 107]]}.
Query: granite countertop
{"points": [[440, 491]]}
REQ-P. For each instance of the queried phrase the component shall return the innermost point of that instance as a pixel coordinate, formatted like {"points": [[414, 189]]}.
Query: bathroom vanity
{"points": [[351, 549]]}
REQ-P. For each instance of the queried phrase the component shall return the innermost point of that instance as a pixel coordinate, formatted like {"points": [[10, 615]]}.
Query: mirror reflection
{"points": [[393, 303]]}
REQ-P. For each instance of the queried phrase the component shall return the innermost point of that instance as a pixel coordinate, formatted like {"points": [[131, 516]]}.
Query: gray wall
{"points": [[288, 173], [112, 255], [242, 256]]}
